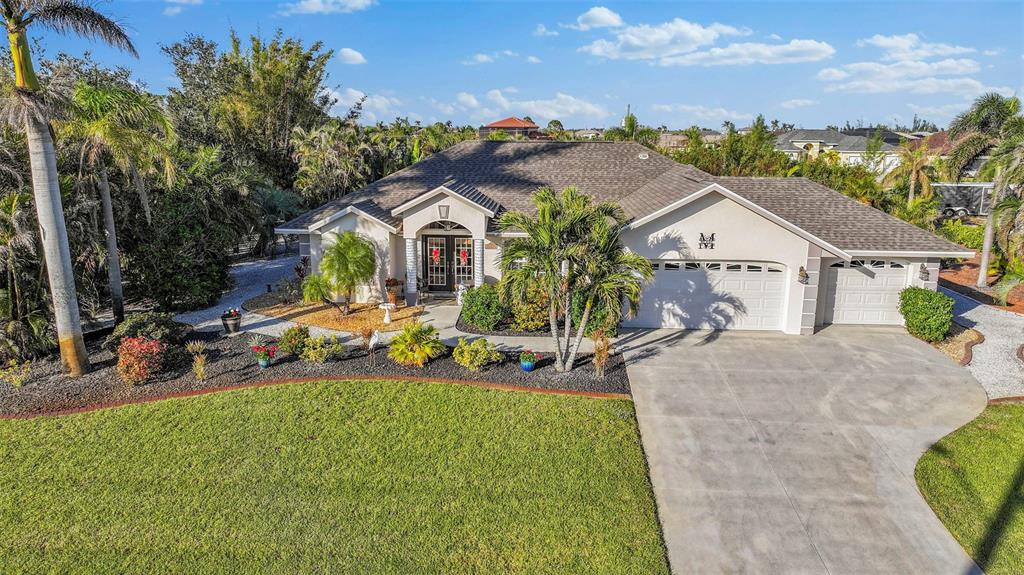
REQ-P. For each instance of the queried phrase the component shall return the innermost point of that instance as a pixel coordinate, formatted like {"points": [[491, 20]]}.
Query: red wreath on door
{"points": [[435, 255], [463, 257]]}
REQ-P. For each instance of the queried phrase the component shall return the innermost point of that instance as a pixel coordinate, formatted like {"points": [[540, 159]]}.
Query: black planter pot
{"points": [[232, 325]]}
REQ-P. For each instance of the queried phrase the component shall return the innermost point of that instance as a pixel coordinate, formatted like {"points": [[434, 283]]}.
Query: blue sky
{"points": [[674, 63]]}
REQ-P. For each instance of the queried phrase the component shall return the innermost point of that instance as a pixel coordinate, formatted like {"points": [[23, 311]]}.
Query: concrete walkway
{"points": [[781, 454], [995, 363]]}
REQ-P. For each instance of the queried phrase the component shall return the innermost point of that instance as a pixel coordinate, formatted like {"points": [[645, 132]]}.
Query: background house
{"points": [[515, 127], [852, 150]]}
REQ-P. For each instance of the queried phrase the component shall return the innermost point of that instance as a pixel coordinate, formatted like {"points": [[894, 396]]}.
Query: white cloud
{"points": [[775, 37], [177, 6], [172, 10], [326, 6], [560, 106], [746, 53], [992, 52], [490, 57], [478, 59], [798, 103], [646, 42], [950, 75], [467, 100], [910, 47], [542, 30], [942, 112], [596, 17], [375, 106], [533, 60], [350, 56], [703, 114]]}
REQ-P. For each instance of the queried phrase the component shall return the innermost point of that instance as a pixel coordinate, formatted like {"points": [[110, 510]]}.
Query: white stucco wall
{"points": [[460, 211], [378, 235], [740, 235]]}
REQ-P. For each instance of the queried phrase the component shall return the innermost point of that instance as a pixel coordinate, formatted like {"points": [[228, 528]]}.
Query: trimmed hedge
{"points": [[927, 314], [482, 308]]}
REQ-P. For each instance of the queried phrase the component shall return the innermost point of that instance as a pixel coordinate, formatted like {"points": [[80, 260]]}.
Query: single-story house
{"points": [[852, 149], [783, 254], [514, 127]]}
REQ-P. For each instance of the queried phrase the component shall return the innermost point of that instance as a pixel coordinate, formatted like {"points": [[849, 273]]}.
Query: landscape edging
{"points": [[969, 348]]}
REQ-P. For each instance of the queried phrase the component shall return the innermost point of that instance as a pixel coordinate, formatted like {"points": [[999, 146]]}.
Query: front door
{"points": [[447, 262]]}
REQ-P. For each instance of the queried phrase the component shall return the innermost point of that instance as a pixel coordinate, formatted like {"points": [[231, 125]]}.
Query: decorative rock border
{"points": [[969, 347], [207, 391]]}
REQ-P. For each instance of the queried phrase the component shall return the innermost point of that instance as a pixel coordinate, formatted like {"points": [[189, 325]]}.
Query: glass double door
{"points": [[447, 262]]}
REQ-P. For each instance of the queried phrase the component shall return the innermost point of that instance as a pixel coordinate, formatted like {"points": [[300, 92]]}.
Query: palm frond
{"points": [[74, 16]]}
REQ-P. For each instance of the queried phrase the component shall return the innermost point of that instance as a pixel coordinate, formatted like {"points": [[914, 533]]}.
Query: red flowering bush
{"points": [[139, 358], [264, 351]]}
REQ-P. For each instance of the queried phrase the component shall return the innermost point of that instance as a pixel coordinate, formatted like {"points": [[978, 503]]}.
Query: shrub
{"points": [[15, 373], [599, 318], [531, 312], [139, 358], [197, 350], [293, 339], [968, 236], [926, 313], [482, 308], [320, 349], [475, 354], [148, 325], [416, 344]]}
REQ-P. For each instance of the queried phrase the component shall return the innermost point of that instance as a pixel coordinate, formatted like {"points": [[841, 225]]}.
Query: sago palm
{"points": [[62, 16], [132, 130], [977, 131], [347, 263]]}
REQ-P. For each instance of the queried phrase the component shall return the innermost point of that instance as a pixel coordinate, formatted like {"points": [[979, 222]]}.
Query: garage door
{"points": [[713, 295], [865, 292]]}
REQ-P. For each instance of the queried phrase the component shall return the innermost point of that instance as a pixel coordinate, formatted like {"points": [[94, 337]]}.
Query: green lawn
{"points": [[332, 477], [974, 480]]}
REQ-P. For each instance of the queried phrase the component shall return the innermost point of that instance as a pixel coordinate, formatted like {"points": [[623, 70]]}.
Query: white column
{"points": [[410, 271], [478, 263]]}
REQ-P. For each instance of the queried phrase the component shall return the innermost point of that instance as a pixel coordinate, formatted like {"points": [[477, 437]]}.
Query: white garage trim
{"points": [[749, 295], [865, 291]]}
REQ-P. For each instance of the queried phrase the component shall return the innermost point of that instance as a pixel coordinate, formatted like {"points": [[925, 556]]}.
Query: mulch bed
{"points": [[961, 277], [325, 316], [959, 343], [230, 364], [505, 331]]}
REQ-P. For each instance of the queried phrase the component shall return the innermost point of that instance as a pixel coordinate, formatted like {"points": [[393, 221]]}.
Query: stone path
{"points": [[995, 363]]}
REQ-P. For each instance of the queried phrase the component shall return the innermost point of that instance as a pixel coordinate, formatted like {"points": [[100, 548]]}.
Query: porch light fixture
{"points": [[925, 275], [802, 276], [442, 211]]}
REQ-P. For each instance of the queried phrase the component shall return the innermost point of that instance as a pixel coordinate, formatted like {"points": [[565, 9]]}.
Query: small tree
{"points": [[347, 263]]}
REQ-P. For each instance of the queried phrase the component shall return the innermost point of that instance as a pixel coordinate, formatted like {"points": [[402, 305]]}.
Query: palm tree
{"points": [[549, 253], [977, 131], [62, 16], [632, 131], [915, 167], [347, 263], [134, 131]]}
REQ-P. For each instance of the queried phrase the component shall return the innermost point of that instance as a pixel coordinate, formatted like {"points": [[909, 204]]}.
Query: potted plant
{"points": [[231, 319], [394, 289], [264, 353], [528, 360]]}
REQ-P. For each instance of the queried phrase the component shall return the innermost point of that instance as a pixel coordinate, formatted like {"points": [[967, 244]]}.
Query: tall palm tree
{"points": [[134, 131], [632, 131], [62, 16], [549, 254], [915, 166], [977, 131]]}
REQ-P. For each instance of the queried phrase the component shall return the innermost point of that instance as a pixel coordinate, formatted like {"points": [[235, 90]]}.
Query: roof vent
{"points": [[644, 155]]}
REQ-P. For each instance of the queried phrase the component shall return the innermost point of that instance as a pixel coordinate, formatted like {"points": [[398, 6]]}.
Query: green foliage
{"points": [[197, 349], [600, 318], [482, 307], [15, 373], [957, 232], [139, 358], [294, 339], [150, 325], [415, 345], [927, 314], [632, 130], [474, 355], [323, 348], [317, 288], [530, 313], [751, 154], [347, 262]]}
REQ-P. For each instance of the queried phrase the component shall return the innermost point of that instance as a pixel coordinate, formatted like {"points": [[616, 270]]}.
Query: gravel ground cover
{"points": [[231, 364], [955, 346], [994, 363]]}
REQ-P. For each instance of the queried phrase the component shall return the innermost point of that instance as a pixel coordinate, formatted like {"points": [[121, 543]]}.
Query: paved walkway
{"points": [[781, 454], [995, 363]]}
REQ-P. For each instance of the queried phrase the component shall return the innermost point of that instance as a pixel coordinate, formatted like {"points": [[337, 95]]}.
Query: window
{"points": [[774, 268], [877, 264], [754, 267], [838, 265], [655, 266], [691, 266], [671, 266], [713, 266], [733, 267], [857, 264], [895, 265]]}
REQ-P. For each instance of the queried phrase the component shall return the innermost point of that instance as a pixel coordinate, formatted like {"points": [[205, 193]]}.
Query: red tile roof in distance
{"points": [[511, 122]]}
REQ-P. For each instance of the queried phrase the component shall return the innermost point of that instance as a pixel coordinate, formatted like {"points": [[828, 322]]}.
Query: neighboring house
{"points": [[782, 254], [515, 127], [676, 140], [587, 134], [941, 145], [851, 149], [888, 136]]}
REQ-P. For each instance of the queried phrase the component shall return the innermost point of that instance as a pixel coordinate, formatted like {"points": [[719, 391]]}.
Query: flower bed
{"points": [[230, 363]]}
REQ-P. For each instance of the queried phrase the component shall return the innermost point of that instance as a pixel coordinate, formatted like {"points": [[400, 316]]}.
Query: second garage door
{"points": [[865, 292], [713, 295]]}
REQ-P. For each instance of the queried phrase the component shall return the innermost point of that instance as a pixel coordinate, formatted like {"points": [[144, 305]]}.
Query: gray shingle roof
{"points": [[503, 175], [842, 142]]}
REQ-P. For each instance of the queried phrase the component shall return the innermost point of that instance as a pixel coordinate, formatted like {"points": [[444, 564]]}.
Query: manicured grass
{"points": [[974, 480], [332, 477]]}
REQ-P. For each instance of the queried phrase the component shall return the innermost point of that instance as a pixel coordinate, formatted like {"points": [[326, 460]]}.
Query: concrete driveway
{"points": [[783, 454]]}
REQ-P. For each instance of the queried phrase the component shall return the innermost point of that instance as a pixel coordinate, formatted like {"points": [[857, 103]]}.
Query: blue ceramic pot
{"points": [[527, 365], [264, 363]]}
